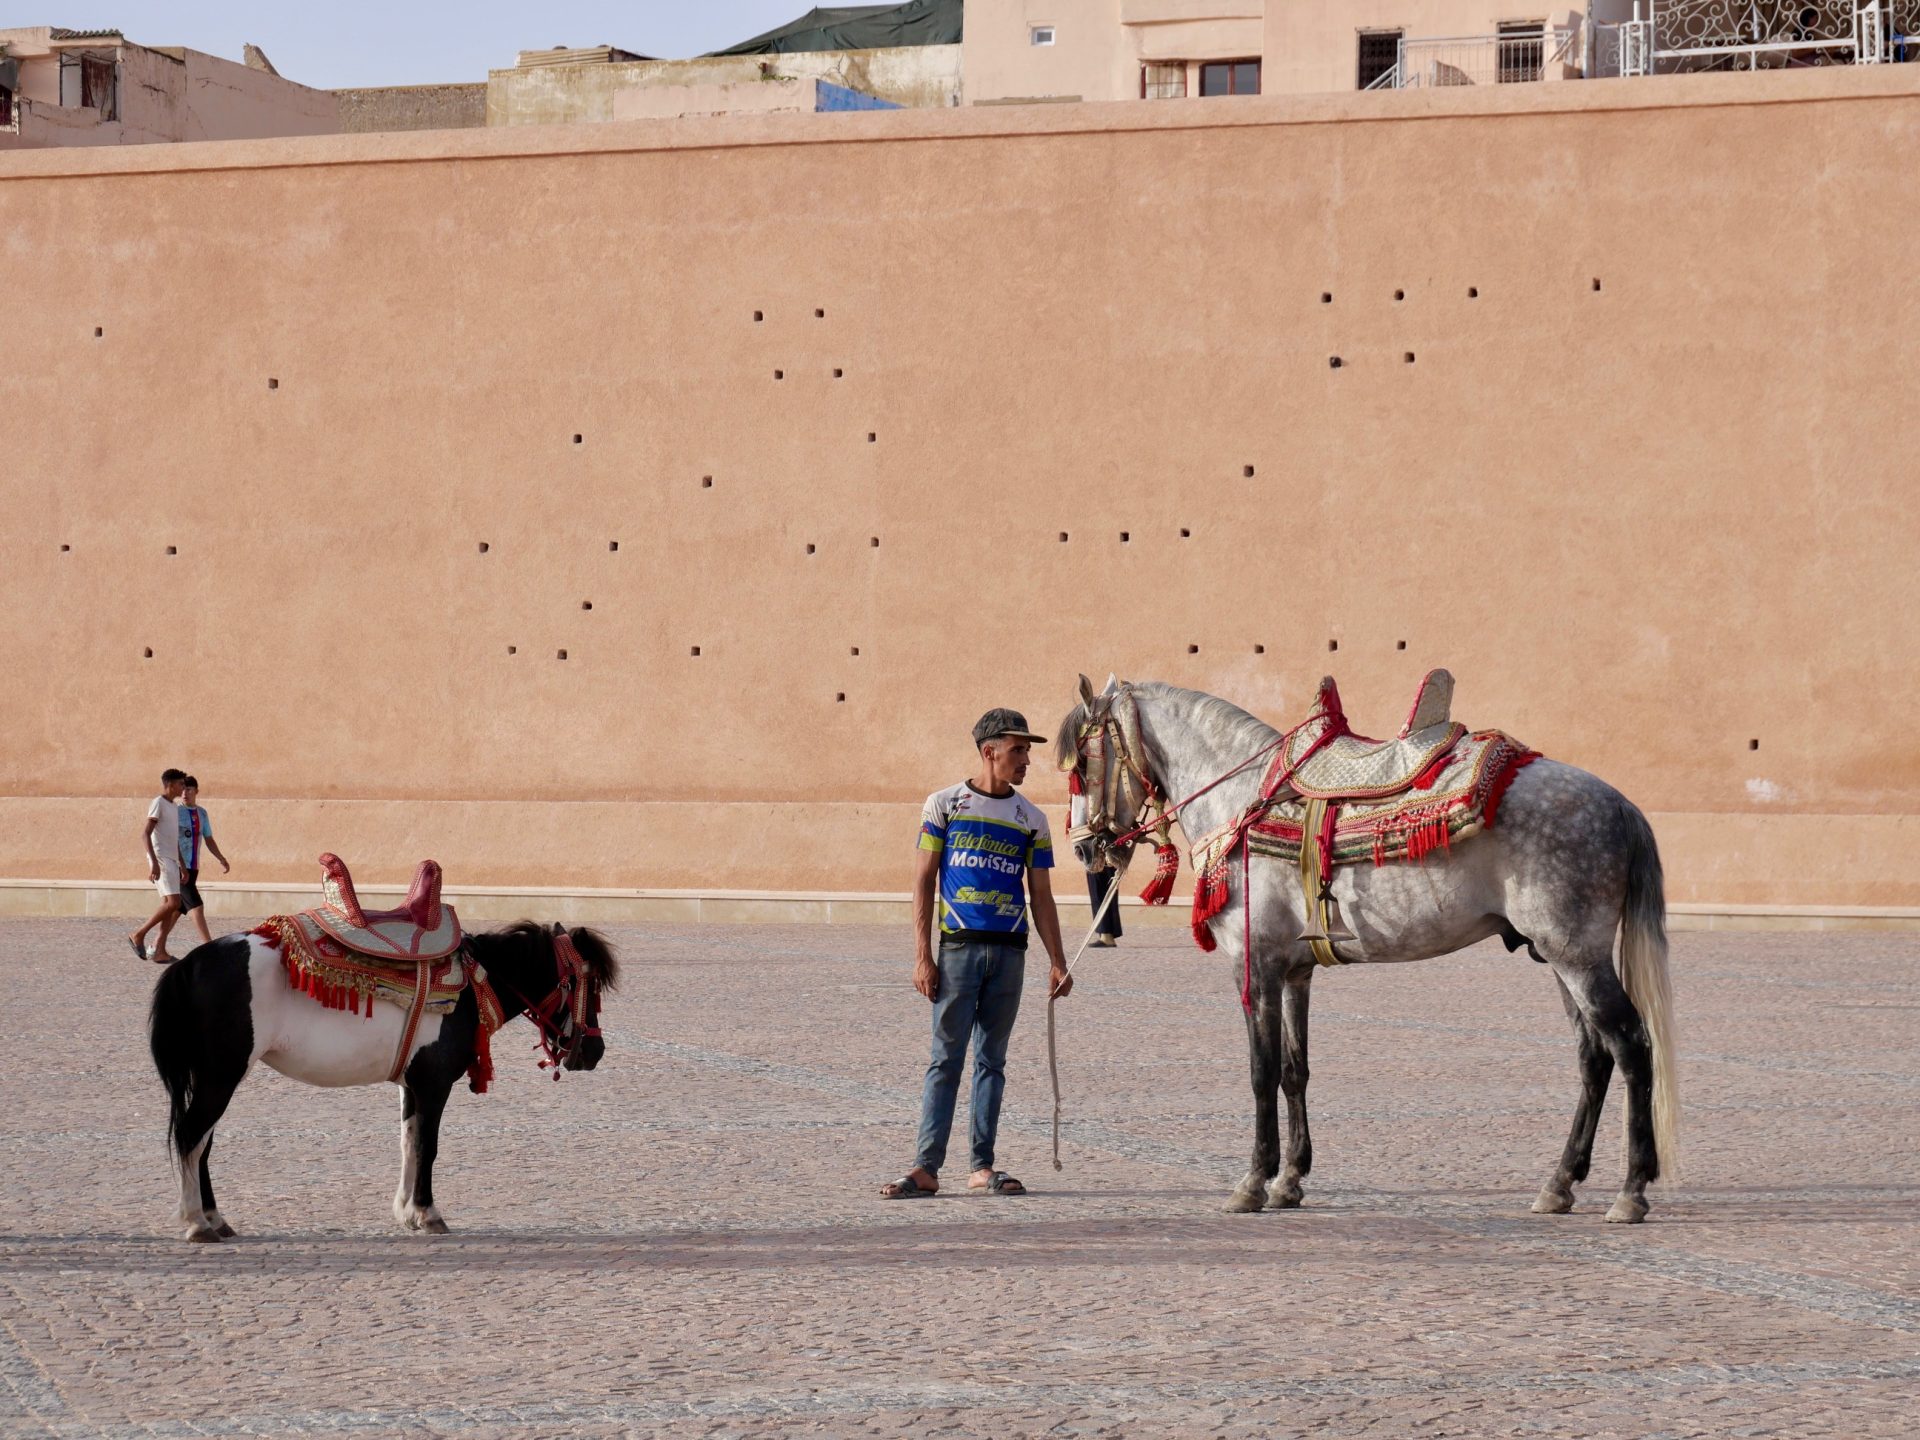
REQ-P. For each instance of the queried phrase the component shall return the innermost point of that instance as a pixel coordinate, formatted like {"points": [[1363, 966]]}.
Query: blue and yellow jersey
{"points": [[986, 845]]}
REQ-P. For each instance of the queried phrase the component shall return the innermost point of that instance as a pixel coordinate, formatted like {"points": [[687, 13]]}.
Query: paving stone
{"points": [[688, 1240]]}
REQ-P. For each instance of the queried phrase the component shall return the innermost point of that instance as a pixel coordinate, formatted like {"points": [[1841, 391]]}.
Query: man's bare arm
{"points": [[926, 880], [146, 839], [1046, 919]]}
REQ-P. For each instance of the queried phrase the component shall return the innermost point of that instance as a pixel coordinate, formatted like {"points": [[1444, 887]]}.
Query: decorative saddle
{"points": [[346, 957], [1331, 797]]}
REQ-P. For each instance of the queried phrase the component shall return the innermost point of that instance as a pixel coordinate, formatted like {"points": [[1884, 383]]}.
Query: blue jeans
{"points": [[979, 996]]}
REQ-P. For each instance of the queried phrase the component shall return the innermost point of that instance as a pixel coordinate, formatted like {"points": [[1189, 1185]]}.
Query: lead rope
{"points": [[1053, 1059]]}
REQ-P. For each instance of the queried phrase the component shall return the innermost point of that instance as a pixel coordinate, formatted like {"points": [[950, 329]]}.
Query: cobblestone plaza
{"points": [[688, 1240]]}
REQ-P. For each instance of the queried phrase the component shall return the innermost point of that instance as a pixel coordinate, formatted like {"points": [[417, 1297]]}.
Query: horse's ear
{"points": [[1086, 692], [1113, 684]]}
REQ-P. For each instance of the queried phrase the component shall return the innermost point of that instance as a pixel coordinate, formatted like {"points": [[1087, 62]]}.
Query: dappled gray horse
{"points": [[1568, 862]]}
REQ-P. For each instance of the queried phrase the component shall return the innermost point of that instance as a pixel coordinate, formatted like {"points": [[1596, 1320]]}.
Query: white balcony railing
{"points": [[1427, 62]]}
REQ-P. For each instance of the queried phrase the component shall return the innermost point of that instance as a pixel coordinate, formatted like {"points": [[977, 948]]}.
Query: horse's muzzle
{"points": [[586, 1054]]}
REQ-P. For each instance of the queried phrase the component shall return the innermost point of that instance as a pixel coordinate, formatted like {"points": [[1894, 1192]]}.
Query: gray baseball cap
{"points": [[1004, 724]]}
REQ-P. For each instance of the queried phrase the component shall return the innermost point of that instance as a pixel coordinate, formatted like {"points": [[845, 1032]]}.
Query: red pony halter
{"points": [[561, 1018]]}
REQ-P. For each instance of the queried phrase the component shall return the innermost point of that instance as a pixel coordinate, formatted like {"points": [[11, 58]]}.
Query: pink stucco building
{"points": [[95, 87]]}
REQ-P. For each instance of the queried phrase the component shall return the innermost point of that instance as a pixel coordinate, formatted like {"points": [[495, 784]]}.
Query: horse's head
{"points": [[1101, 748], [559, 976]]}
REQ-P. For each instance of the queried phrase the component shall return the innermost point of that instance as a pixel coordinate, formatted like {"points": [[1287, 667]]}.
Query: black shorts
{"points": [[190, 891]]}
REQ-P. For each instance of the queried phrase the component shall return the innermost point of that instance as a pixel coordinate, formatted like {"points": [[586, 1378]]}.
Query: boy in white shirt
{"points": [[163, 864]]}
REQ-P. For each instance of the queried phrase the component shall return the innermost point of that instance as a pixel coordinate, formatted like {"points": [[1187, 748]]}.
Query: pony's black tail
{"points": [[173, 1033]]}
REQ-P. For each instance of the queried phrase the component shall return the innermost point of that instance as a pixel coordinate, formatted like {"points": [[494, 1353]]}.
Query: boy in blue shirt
{"points": [[981, 842], [196, 835]]}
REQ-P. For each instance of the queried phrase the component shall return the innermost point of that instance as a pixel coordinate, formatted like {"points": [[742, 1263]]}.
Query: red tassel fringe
{"points": [[1166, 870]]}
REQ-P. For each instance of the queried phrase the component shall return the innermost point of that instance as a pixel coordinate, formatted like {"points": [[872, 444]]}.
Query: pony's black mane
{"points": [[603, 966]]}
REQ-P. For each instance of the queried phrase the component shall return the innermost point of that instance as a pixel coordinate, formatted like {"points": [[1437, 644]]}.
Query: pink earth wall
{"points": [[350, 432]]}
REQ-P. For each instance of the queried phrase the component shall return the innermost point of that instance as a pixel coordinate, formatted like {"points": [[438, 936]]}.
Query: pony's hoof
{"points": [[1627, 1211], [227, 1232], [1243, 1202], [1284, 1197], [204, 1235], [1553, 1202], [434, 1226]]}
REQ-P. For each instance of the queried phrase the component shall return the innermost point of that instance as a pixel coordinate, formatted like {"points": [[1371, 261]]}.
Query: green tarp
{"points": [[860, 27]]}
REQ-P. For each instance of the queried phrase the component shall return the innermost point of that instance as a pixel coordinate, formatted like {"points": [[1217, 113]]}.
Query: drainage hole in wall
{"points": [[1185, 534], [854, 651], [1326, 297], [1193, 649], [1473, 292], [706, 482], [819, 314], [513, 649], [578, 438], [1399, 644], [147, 654], [779, 374], [586, 604], [1259, 649], [838, 372], [1333, 362], [1333, 644], [484, 547], [1247, 471], [871, 437], [173, 549], [1125, 536], [1407, 358], [1399, 294], [1751, 744], [694, 651], [809, 549], [1596, 284], [561, 655], [1063, 538], [272, 384], [758, 317], [874, 541], [613, 545], [98, 331], [65, 548], [839, 697]]}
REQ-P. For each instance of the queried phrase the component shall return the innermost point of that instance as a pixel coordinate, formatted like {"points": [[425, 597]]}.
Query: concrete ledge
{"points": [[493, 904]]}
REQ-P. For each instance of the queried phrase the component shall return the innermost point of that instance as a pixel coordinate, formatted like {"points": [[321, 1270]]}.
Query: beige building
{"points": [[95, 87], [588, 508]]}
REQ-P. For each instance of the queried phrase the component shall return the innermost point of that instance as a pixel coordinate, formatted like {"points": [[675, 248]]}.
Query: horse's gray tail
{"points": [[1643, 971]]}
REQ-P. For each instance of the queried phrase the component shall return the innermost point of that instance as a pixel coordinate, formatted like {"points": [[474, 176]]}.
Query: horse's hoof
{"points": [[227, 1232], [1284, 1197], [1627, 1211], [435, 1226], [1243, 1202], [204, 1235], [1553, 1202]]}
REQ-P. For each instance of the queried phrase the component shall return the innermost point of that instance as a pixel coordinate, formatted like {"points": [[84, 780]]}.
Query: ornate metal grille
{"points": [[1740, 34]]}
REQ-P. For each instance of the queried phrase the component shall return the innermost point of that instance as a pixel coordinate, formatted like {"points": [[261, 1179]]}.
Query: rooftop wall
{"points": [[659, 503]]}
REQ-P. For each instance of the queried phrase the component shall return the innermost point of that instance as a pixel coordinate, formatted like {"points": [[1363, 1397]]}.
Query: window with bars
{"points": [[1379, 53], [1230, 77], [6, 106], [1522, 46], [1163, 80], [1040, 35]]}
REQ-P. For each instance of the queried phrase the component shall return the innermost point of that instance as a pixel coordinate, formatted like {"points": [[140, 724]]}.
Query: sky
{"points": [[334, 44]]}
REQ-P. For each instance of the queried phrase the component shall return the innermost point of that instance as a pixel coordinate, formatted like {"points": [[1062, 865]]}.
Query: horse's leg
{"points": [[1284, 1193], [1263, 1055], [424, 1101], [1604, 1005], [1596, 1069], [207, 1203], [193, 1139]]}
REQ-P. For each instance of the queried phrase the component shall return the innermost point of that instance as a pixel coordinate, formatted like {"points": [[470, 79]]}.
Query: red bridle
{"points": [[561, 1018]]}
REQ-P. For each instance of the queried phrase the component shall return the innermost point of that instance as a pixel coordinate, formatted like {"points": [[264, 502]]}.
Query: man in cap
{"points": [[980, 843]]}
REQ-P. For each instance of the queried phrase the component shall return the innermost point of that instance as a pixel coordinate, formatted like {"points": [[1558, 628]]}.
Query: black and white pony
{"points": [[1571, 863], [229, 1004]]}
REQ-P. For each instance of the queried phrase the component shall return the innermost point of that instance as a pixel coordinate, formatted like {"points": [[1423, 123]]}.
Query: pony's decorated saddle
{"points": [[346, 957], [1331, 797]]}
